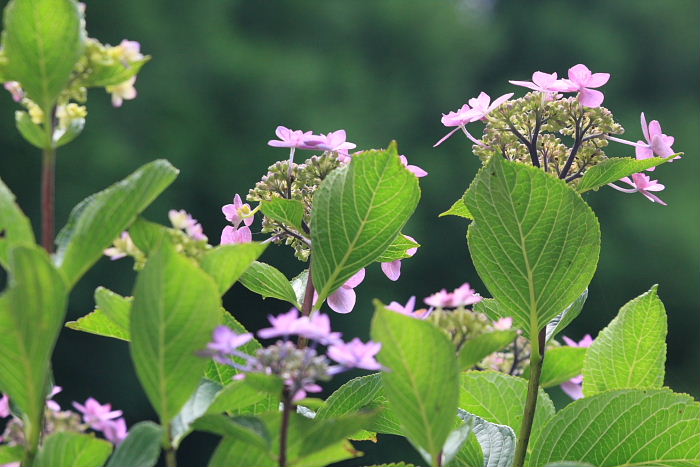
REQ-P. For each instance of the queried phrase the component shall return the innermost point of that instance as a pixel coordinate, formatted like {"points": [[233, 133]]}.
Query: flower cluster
{"points": [[565, 136], [299, 366], [95, 416], [237, 213]]}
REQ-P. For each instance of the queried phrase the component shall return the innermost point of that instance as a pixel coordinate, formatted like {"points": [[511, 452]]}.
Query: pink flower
{"points": [[131, 51], [232, 235], [392, 269], [356, 354], [334, 141], [238, 212], [414, 169], [441, 299], [585, 342], [409, 309], [307, 387], [282, 325], [461, 296], [52, 404], [291, 138], [503, 324], [457, 119], [657, 143], [14, 88], [183, 221], [122, 91], [5, 406], [543, 82], [581, 80], [96, 414], [482, 105], [643, 184], [225, 340], [115, 431], [317, 327], [574, 387], [343, 299]]}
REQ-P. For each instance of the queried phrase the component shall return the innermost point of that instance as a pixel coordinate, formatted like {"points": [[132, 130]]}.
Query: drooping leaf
{"points": [[615, 168], [398, 249], [534, 241], [357, 213], [459, 208], [631, 351], [561, 364], [141, 448], [497, 441], [99, 219], [630, 427], [500, 398], [268, 281], [67, 449], [196, 406], [98, 323], [34, 134], [422, 379], [227, 263], [478, 348], [14, 225], [562, 320], [43, 40], [32, 309], [175, 309], [287, 211]]}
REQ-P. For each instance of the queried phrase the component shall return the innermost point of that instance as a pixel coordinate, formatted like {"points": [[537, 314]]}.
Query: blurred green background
{"points": [[225, 73]]}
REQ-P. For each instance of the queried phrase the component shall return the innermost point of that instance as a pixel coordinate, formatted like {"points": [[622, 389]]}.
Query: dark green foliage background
{"points": [[226, 72]]}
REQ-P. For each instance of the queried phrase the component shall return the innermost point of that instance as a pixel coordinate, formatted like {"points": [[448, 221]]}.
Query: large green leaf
{"points": [[175, 309], [67, 449], [534, 242], [631, 427], [31, 314], [227, 263], [269, 281], [561, 364], [615, 168], [10, 454], [500, 398], [631, 351], [43, 40], [196, 406], [14, 225], [478, 348], [245, 428], [241, 394], [497, 441], [110, 317], [357, 213], [99, 219], [140, 449], [422, 377]]}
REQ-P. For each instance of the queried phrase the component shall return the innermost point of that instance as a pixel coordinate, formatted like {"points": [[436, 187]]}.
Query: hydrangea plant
{"points": [[462, 377]]}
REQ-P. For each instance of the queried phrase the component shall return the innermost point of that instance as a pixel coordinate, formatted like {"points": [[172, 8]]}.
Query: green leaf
{"points": [[195, 407], [268, 281], [245, 428], [140, 449], [422, 379], [478, 348], [113, 73], [239, 452], [10, 454], [459, 209], [34, 134], [289, 212], [147, 235], [361, 393], [398, 249], [615, 168], [32, 309], [456, 441], [67, 449], [298, 284], [629, 427], [114, 306], [241, 394], [561, 364], [330, 431], [500, 398], [176, 307], [357, 213], [227, 263], [534, 242], [99, 219], [565, 318], [631, 351], [497, 441], [63, 136], [14, 225], [220, 373], [98, 323], [43, 40]]}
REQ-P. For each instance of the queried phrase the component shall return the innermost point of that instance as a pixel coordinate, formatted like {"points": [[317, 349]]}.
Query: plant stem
{"points": [[48, 184], [536, 360], [170, 457], [33, 438], [284, 428], [308, 303]]}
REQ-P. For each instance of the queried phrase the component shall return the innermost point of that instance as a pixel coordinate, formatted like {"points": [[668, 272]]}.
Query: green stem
{"points": [[170, 457], [170, 450], [536, 360], [48, 186], [33, 434], [307, 306]]}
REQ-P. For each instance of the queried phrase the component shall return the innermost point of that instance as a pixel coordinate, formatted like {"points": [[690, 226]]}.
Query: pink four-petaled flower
{"points": [[582, 80], [356, 354], [643, 184], [95, 414], [291, 138], [657, 143]]}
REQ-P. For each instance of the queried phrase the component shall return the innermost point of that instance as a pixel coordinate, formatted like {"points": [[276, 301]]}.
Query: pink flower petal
{"points": [[356, 279], [597, 80], [591, 97], [392, 270], [343, 300]]}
